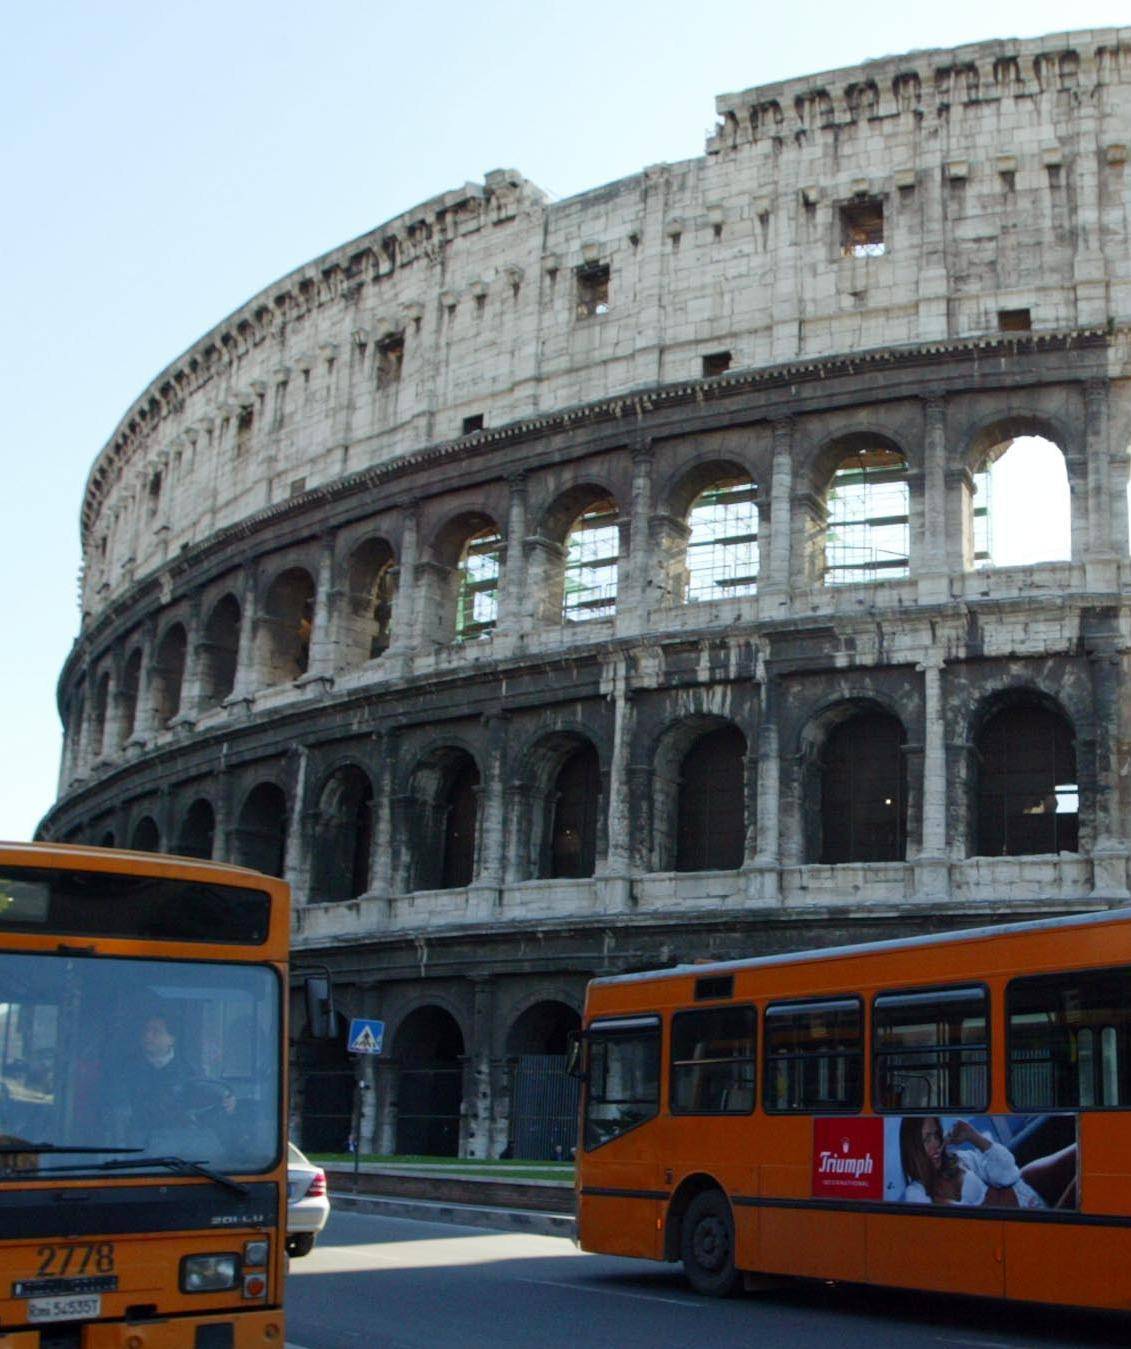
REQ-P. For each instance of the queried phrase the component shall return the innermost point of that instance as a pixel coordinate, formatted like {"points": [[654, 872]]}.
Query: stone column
{"points": [[191, 691], [144, 718], [775, 541], [247, 676], [403, 621], [1109, 851], [765, 876], [296, 859], [484, 893], [931, 564], [381, 856], [931, 869], [477, 1070], [615, 885], [511, 604], [320, 665], [545, 563], [635, 568], [1101, 561]]}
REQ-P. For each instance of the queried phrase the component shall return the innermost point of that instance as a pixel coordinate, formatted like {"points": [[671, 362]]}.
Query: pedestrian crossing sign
{"points": [[366, 1037]]}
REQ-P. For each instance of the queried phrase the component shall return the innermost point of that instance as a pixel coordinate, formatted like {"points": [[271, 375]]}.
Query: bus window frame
{"points": [[679, 1112], [873, 1053], [1078, 1108], [652, 1020], [863, 1053]]}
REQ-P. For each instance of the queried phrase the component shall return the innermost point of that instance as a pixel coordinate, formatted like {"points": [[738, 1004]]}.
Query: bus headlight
{"points": [[209, 1273]]}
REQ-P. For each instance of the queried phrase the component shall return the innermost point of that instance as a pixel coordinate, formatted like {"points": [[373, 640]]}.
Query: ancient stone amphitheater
{"points": [[548, 588]]}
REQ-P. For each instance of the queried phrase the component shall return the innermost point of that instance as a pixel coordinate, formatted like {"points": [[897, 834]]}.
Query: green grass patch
{"points": [[488, 1168]]}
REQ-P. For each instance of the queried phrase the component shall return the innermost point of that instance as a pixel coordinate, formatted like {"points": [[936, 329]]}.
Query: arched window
{"points": [[477, 602], [592, 549], [287, 621], [131, 682], [260, 836], [1022, 506], [220, 651], [372, 586], [459, 827], [146, 837], [1028, 798], [722, 550], [574, 801], [343, 836], [867, 537], [168, 674], [198, 831], [711, 833], [98, 725], [863, 797]]}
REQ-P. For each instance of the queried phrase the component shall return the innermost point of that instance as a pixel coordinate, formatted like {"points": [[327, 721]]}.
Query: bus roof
{"points": [[816, 954], [111, 859]]}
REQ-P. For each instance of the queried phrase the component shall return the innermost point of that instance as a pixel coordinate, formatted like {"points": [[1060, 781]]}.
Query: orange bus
{"points": [[142, 1157], [943, 1112]]}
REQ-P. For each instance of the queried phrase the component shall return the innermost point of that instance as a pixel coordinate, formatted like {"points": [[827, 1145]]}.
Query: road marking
{"points": [[615, 1292], [974, 1344]]}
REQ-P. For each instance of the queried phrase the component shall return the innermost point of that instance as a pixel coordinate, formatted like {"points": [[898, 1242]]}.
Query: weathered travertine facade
{"points": [[912, 262]]}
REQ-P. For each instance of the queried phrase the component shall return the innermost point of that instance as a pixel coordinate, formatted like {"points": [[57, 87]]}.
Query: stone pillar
{"points": [[931, 871], [1101, 561], [403, 621], [511, 604], [296, 858], [247, 676], [775, 542], [435, 586], [477, 1071], [484, 891], [381, 855], [145, 722], [320, 665], [545, 563], [931, 564], [615, 885], [1109, 850], [667, 579], [636, 560], [191, 690], [765, 876]]}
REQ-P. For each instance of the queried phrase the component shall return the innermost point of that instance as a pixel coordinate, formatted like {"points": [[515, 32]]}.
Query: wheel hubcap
{"points": [[710, 1243]]}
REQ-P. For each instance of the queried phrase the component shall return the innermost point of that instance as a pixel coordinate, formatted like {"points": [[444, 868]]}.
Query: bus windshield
{"points": [[136, 1059]]}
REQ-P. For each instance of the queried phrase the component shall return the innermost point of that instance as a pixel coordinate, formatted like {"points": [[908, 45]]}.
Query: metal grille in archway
{"points": [[544, 1103], [428, 1101]]}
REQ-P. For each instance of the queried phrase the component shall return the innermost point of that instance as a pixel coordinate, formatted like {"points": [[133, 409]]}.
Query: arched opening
{"points": [[1028, 798], [131, 682], [288, 617], [1021, 505], [722, 547], [477, 600], [198, 830], [571, 842], [260, 836], [343, 836], [544, 1099], [460, 808], [220, 651], [711, 815], [867, 533], [168, 674], [146, 837], [99, 710], [592, 561], [429, 1051], [445, 792], [326, 1086], [371, 580], [107, 839], [863, 796]]}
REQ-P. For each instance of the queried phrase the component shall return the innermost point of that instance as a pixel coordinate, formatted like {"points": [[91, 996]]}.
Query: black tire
{"points": [[706, 1245], [299, 1243]]}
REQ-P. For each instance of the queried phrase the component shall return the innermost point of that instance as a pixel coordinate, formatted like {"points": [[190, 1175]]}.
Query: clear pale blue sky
{"points": [[162, 163]]}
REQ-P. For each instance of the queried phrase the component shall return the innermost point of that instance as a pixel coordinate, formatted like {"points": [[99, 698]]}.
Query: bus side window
{"points": [[622, 1088], [930, 1050], [814, 1056], [1068, 1040], [713, 1053]]}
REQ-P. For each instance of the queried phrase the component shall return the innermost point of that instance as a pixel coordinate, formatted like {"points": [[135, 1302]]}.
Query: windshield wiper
{"points": [[182, 1165], [10, 1151]]}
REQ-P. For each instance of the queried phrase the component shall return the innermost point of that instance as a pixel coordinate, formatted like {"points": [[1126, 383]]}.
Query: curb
{"points": [[466, 1215]]}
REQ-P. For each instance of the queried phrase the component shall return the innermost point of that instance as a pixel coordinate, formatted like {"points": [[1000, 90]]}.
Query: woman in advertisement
{"points": [[963, 1166]]}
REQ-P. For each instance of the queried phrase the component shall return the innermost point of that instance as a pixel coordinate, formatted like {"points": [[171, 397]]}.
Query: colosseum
{"points": [[554, 588]]}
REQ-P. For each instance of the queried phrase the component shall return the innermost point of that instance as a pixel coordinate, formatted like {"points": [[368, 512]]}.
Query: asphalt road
{"points": [[389, 1283]]}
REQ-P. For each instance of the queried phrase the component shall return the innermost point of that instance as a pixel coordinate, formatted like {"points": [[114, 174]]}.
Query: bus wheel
{"points": [[707, 1245]]}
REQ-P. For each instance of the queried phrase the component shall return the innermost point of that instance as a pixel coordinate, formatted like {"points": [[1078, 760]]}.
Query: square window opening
{"points": [[592, 290], [1014, 321], [717, 363], [862, 229], [472, 424]]}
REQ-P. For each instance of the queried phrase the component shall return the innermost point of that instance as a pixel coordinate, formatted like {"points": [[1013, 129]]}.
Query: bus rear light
{"points": [[209, 1273], [255, 1254], [317, 1185], [254, 1285]]}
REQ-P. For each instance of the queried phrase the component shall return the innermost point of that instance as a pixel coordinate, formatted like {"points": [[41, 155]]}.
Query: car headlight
{"points": [[209, 1273]]}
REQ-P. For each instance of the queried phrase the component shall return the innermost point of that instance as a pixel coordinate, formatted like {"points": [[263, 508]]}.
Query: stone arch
{"points": [[583, 575], [444, 825], [854, 782], [99, 712], [343, 835], [542, 1027], [131, 686], [429, 1048], [145, 835], [1026, 789], [716, 501], [220, 651], [859, 529], [259, 839], [560, 807], [327, 1081], [196, 836], [460, 579], [1005, 527], [542, 1121], [371, 586], [285, 627], [707, 831], [169, 673]]}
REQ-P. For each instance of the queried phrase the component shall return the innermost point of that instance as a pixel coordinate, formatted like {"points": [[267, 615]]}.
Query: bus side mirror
{"points": [[575, 1055], [320, 1018]]}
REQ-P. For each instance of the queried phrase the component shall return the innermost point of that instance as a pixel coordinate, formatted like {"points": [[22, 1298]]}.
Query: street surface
{"points": [[390, 1283]]}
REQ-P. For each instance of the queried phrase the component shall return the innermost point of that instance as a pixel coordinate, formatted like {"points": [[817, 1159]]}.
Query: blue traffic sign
{"points": [[366, 1037]]}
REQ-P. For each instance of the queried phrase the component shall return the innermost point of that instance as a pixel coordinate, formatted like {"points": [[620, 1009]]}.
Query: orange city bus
{"points": [[142, 1157], [943, 1112]]}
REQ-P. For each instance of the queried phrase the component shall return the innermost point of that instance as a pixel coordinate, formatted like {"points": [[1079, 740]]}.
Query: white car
{"points": [[307, 1204]]}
